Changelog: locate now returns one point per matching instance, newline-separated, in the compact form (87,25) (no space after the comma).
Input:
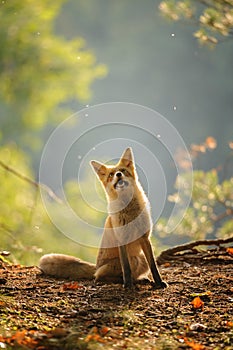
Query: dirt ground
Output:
(195,312)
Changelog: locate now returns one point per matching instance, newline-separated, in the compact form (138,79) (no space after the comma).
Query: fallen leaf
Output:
(167,264)
(94,336)
(197,327)
(202,294)
(23,338)
(229,323)
(104,330)
(230,250)
(193,345)
(71,286)
(197,303)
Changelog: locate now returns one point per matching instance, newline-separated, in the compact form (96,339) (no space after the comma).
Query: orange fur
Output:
(125,252)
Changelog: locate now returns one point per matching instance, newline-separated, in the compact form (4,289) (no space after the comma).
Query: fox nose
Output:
(118,174)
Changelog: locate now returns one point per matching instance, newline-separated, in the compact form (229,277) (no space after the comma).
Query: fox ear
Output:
(127,158)
(99,168)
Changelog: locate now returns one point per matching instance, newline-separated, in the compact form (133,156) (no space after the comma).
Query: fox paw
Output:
(161,285)
(128,284)
(144,281)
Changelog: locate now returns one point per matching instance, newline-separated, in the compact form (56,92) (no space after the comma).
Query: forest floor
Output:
(194,312)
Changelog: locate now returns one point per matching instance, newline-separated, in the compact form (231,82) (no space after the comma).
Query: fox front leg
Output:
(126,270)
(147,249)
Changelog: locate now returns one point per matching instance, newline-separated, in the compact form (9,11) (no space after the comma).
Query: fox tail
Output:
(65,266)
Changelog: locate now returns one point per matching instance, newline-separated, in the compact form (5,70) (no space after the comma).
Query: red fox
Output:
(125,253)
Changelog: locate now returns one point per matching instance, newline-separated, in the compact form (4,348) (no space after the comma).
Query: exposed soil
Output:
(40,313)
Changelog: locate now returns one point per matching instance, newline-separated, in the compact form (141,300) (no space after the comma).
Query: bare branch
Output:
(170,253)
(31,182)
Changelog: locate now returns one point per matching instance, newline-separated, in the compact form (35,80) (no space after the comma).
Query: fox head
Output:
(119,180)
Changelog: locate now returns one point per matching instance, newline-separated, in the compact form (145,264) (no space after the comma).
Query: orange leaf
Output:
(167,264)
(229,323)
(104,330)
(230,251)
(193,345)
(94,336)
(71,286)
(197,303)
(23,338)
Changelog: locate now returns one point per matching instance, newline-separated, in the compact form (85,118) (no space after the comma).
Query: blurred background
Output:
(174,57)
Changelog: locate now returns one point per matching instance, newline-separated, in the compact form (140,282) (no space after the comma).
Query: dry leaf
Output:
(193,345)
(104,330)
(197,303)
(94,336)
(197,327)
(167,264)
(23,338)
(202,294)
(71,286)
(229,323)
(230,250)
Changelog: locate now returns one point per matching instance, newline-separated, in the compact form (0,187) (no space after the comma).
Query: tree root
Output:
(193,252)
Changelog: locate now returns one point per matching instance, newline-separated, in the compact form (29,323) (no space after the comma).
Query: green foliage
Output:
(211,209)
(25,227)
(38,70)
(40,75)
(17,201)
(177,10)
(215,21)
(14,197)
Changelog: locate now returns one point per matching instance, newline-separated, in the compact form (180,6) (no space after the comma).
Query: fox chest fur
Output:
(130,220)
